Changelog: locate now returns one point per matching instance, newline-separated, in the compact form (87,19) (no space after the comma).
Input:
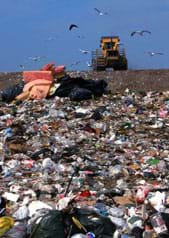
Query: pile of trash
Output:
(53,81)
(85,168)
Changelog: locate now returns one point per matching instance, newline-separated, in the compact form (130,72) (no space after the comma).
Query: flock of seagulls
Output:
(85,52)
(137,32)
(34,59)
(141,33)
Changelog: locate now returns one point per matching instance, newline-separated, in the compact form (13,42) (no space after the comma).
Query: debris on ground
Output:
(53,81)
(96,167)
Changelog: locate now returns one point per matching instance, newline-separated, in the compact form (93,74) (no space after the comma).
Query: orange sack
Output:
(29,76)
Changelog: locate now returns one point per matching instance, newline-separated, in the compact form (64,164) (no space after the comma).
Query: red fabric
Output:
(56,70)
(48,67)
(59,69)
(85,193)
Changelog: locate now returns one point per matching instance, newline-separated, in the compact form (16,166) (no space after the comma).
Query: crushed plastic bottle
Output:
(2,149)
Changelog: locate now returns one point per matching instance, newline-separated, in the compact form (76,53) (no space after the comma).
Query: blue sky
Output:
(27,25)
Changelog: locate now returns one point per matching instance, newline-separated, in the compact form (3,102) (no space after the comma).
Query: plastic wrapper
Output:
(17,231)
(6,223)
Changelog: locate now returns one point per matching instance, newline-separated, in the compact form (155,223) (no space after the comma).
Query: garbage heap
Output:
(51,81)
(88,168)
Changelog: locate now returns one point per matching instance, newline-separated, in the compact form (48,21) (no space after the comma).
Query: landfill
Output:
(83,167)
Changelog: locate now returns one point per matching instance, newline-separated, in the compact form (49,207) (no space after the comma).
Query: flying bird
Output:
(75,63)
(88,64)
(21,66)
(85,51)
(36,58)
(154,53)
(50,38)
(119,44)
(99,12)
(72,26)
(81,36)
(141,33)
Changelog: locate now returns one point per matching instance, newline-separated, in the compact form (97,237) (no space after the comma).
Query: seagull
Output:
(99,12)
(85,51)
(36,58)
(21,66)
(141,33)
(50,38)
(120,43)
(154,53)
(88,64)
(75,63)
(72,26)
(81,36)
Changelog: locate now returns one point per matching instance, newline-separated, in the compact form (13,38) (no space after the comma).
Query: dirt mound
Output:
(156,80)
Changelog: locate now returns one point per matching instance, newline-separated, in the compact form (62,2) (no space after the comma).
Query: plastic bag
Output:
(70,85)
(2,206)
(17,231)
(11,92)
(22,213)
(101,226)
(6,223)
(78,94)
(51,225)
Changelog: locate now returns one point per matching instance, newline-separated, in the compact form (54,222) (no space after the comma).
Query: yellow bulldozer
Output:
(111,55)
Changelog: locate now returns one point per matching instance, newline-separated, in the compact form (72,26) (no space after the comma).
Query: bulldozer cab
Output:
(110,46)
(110,55)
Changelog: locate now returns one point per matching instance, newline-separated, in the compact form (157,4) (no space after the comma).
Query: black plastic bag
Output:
(78,94)
(69,86)
(101,226)
(11,92)
(96,87)
(51,225)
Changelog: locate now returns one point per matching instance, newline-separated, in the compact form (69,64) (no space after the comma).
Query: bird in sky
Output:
(81,36)
(99,12)
(85,51)
(50,38)
(75,63)
(154,53)
(21,66)
(119,44)
(88,64)
(36,58)
(72,26)
(141,33)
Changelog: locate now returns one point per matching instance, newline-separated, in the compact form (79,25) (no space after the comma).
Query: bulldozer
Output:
(111,55)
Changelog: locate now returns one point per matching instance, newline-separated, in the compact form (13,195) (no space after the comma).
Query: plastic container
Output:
(158,224)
